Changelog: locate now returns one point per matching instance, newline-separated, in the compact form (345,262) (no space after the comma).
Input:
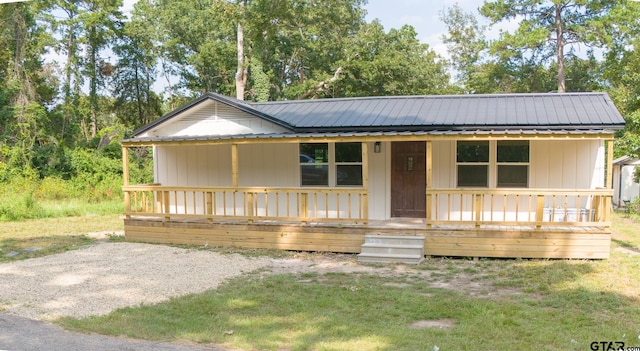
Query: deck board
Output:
(440,240)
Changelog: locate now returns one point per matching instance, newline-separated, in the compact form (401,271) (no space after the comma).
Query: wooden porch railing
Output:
(534,207)
(519,207)
(347,205)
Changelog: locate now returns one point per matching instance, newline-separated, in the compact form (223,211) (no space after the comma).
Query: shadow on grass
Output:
(626,245)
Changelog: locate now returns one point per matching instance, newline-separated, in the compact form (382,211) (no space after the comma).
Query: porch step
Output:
(392,248)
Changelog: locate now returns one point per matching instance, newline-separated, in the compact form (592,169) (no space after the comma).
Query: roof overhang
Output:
(513,134)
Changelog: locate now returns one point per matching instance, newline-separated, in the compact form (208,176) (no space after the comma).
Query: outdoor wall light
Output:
(377,147)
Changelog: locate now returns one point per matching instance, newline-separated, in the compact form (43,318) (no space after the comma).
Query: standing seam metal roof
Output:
(411,113)
(468,111)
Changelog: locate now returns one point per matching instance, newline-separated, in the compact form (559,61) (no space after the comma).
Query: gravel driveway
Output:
(106,276)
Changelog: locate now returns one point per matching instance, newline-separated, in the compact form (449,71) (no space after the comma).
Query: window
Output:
(513,164)
(314,164)
(348,163)
(473,163)
(502,164)
(343,161)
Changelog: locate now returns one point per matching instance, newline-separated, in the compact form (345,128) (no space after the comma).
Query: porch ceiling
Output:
(532,134)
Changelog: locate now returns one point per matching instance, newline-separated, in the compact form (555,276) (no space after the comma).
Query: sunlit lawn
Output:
(521,304)
(41,237)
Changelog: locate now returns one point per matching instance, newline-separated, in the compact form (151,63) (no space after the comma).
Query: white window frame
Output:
(332,166)
(492,166)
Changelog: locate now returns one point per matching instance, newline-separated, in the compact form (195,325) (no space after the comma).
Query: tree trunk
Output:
(560,49)
(241,73)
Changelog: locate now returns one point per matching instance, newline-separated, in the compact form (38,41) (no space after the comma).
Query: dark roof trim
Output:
(229,101)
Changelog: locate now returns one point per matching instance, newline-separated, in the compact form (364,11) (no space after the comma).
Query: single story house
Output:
(625,189)
(505,175)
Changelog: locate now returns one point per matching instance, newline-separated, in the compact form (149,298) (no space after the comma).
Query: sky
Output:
(423,15)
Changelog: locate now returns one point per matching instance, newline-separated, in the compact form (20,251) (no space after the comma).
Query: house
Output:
(625,189)
(509,175)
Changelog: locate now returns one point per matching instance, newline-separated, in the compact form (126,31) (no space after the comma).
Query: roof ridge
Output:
(400,97)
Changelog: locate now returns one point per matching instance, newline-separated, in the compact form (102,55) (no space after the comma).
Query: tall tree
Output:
(466,45)
(547,28)
(101,20)
(23,91)
(136,103)
(393,63)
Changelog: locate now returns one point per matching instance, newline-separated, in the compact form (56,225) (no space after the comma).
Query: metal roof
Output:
(549,110)
(420,113)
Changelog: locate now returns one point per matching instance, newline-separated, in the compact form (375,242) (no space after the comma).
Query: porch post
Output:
(234,165)
(365,182)
(609,181)
(609,178)
(125,179)
(429,180)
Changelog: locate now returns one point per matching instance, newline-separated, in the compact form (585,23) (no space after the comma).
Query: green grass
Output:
(521,304)
(61,226)
(71,220)
(20,249)
(22,207)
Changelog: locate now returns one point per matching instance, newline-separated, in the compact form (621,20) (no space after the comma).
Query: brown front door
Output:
(408,179)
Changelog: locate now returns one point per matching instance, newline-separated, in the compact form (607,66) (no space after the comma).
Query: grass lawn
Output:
(40,237)
(475,305)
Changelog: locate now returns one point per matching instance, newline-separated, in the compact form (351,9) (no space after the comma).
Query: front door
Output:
(408,179)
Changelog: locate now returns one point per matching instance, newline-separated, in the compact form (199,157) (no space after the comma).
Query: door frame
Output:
(422,209)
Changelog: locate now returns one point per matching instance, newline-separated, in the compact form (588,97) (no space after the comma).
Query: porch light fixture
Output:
(377,147)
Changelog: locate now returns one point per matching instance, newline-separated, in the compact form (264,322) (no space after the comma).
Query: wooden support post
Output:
(606,216)
(209,206)
(304,208)
(429,182)
(125,180)
(609,177)
(234,165)
(539,211)
(365,183)
(166,204)
(478,208)
(250,205)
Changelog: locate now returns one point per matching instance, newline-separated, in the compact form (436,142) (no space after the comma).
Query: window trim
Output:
(332,166)
(492,166)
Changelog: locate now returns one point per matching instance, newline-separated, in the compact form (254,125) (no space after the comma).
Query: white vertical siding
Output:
(444,164)
(213,118)
(379,182)
(270,165)
(193,165)
(567,164)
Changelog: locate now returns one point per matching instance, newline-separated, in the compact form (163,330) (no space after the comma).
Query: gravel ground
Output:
(106,276)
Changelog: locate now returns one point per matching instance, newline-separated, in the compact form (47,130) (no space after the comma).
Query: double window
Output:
(324,164)
(504,163)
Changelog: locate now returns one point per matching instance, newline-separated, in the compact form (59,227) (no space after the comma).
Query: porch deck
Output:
(484,240)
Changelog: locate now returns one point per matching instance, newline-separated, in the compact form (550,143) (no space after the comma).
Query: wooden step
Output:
(392,248)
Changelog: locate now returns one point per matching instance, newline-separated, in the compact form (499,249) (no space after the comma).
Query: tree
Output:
(547,28)
(393,63)
(101,20)
(134,75)
(23,83)
(466,45)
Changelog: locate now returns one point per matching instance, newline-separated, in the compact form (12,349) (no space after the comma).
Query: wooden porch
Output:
(525,223)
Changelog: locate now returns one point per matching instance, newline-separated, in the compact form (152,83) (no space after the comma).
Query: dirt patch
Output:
(433,323)
(436,273)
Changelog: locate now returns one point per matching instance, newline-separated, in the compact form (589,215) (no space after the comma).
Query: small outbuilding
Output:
(625,188)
